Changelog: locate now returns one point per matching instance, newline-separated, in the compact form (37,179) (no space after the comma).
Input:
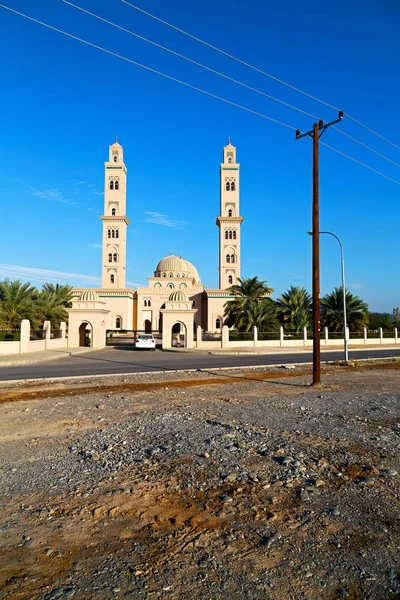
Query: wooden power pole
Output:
(316,132)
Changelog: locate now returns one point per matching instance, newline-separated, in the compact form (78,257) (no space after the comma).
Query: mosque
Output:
(175,302)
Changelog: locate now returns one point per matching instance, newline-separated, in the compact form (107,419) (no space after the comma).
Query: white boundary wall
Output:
(288,343)
(25,344)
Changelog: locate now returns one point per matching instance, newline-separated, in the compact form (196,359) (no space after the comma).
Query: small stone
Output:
(231,477)
(203,564)
(28,543)
(271,539)
(388,472)
(303,495)
(365,481)
(335,512)
(319,482)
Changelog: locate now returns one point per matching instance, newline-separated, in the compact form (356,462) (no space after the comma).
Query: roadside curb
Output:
(283,366)
(55,355)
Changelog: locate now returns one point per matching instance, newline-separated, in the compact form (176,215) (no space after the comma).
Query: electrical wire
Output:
(250,66)
(184,84)
(359,163)
(140,37)
(219,74)
(137,64)
(365,146)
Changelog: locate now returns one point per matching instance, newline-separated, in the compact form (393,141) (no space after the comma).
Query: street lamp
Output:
(346,354)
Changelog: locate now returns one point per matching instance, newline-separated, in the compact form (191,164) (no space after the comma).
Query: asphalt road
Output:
(113,361)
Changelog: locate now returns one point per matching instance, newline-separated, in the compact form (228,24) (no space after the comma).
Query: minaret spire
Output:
(229,221)
(115,221)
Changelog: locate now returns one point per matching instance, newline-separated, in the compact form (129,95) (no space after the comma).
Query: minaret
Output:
(229,220)
(115,221)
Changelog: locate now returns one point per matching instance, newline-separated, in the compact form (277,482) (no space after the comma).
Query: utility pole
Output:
(317,131)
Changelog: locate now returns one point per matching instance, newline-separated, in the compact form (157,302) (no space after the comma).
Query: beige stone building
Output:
(174,302)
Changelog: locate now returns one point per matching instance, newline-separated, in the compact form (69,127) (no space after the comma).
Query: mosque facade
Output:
(174,301)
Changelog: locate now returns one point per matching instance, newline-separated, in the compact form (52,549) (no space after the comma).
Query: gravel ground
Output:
(226,485)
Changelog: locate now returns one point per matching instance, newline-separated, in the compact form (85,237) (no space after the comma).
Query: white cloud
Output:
(97,245)
(355,286)
(160,219)
(47,194)
(40,276)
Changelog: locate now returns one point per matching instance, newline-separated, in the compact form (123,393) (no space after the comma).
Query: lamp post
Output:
(346,354)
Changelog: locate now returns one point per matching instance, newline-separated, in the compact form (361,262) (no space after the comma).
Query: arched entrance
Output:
(147,326)
(178,335)
(85,334)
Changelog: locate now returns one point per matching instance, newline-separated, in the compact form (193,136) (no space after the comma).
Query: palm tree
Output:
(16,302)
(63,292)
(51,303)
(251,295)
(294,308)
(332,311)
(261,315)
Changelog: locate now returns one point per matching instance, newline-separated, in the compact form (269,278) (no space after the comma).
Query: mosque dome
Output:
(178,296)
(89,296)
(174,266)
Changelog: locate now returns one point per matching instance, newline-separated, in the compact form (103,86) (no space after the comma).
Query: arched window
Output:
(118,320)
(226,234)
(157,285)
(149,302)
(116,233)
(110,258)
(115,158)
(170,286)
(230,213)
(115,258)
(112,278)
(113,212)
(232,258)
(177,275)
(109,233)
(230,279)
(230,160)
(183,286)
(233,186)
(228,258)
(171,275)
(111,185)
(164,274)
(227,186)
(234,234)
(230,235)
(117,184)
(217,323)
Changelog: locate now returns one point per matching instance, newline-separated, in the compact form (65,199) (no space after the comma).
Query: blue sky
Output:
(63,103)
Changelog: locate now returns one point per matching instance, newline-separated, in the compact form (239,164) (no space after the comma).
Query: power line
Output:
(359,163)
(140,37)
(250,66)
(183,83)
(365,146)
(133,62)
(218,73)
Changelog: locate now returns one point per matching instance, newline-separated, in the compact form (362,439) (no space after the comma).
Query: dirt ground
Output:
(241,484)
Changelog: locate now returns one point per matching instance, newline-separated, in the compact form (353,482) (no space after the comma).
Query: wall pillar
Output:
(380,335)
(225,336)
(47,330)
(326,335)
(280,336)
(365,335)
(255,336)
(199,336)
(304,336)
(25,335)
(395,334)
(63,329)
